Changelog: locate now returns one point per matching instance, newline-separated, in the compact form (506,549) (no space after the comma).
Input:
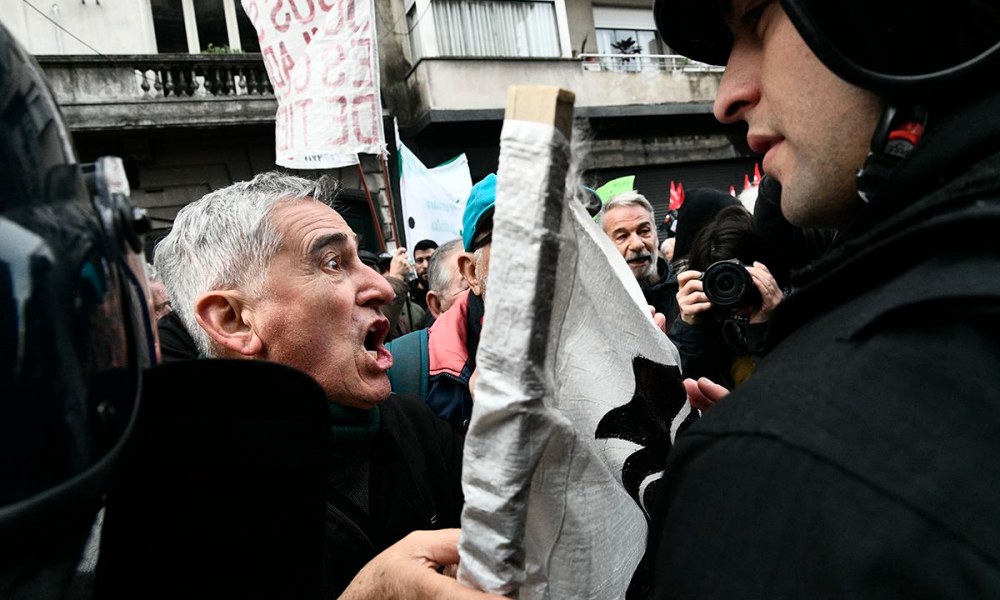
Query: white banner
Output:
(578,399)
(322,60)
(433,199)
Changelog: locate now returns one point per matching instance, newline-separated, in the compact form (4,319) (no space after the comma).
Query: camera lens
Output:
(725,284)
(729,286)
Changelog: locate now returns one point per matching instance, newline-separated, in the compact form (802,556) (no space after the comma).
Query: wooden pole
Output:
(539,104)
(392,209)
(371,207)
(514,420)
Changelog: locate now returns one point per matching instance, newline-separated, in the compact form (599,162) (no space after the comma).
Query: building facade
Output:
(179,87)
(644,111)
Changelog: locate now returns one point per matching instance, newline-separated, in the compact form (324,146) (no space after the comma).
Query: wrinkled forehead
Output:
(306,225)
(627,215)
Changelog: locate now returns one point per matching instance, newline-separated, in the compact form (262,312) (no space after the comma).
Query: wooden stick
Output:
(510,425)
(371,207)
(392,205)
(540,104)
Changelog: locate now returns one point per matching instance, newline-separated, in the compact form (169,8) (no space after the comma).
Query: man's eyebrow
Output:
(330,239)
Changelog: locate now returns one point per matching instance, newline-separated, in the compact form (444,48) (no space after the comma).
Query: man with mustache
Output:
(628,220)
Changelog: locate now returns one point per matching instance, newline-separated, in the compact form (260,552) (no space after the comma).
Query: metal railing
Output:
(635,63)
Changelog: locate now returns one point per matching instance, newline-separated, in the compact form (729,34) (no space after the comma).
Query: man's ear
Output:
(222,314)
(467,267)
(434,303)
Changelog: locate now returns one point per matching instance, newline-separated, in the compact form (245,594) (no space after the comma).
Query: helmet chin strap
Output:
(898,132)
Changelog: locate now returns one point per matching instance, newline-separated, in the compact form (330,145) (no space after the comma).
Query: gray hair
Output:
(226,240)
(627,199)
(439,276)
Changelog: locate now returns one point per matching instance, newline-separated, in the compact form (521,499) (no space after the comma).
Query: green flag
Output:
(614,187)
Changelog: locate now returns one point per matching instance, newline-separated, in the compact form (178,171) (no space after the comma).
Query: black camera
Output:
(729,286)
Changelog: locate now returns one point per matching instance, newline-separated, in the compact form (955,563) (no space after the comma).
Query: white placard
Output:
(322,60)
(433,200)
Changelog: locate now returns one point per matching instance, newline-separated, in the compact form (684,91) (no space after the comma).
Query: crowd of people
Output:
(836,336)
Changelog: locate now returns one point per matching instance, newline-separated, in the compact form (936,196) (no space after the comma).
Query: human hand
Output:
(770,294)
(691,299)
(704,393)
(400,264)
(658,318)
(408,570)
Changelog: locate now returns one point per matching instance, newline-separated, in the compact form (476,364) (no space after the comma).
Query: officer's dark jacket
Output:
(861,458)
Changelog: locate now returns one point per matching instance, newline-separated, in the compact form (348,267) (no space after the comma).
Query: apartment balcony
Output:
(160,91)
(458,88)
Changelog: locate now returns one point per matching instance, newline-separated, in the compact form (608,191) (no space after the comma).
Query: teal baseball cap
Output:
(481,202)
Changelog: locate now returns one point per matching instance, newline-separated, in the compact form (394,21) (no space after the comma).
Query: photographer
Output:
(723,340)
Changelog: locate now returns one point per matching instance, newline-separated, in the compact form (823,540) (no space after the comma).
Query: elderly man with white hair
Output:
(267,270)
(628,220)
(444,279)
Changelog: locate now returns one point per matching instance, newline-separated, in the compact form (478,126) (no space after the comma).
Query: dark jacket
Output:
(175,341)
(860,460)
(785,247)
(414,476)
(663,294)
(724,350)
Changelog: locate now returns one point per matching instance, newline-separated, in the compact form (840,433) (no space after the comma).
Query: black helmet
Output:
(74,328)
(892,47)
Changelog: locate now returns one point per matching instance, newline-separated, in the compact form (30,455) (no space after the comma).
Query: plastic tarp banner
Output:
(433,200)
(322,59)
(578,399)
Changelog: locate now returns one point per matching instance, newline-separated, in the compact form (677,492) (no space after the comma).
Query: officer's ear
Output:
(229,322)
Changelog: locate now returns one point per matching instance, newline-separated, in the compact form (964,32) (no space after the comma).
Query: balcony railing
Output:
(634,63)
(178,76)
(163,75)
(160,90)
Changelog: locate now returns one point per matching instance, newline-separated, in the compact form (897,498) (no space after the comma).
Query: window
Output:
(629,41)
(501,28)
(248,35)
(627,32)
(211,20)
(412,22)
(199,25)
(168,26)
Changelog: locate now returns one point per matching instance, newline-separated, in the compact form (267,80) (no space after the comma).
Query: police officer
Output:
(861,458)
(74,336)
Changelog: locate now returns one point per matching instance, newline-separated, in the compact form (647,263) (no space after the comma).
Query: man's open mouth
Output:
(376,336)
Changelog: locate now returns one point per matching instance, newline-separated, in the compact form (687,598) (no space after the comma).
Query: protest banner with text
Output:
(322,59)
